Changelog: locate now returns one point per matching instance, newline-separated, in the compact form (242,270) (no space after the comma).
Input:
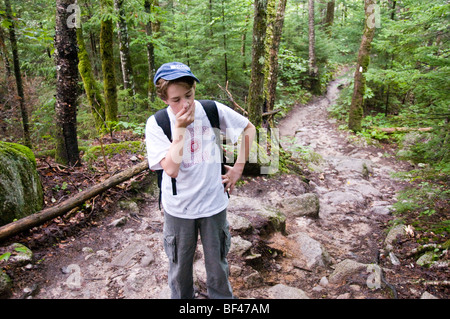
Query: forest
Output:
(76,78)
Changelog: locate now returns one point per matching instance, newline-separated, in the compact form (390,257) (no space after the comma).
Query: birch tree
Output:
(124,47)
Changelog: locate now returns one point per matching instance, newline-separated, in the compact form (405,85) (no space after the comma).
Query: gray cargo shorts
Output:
(180,243)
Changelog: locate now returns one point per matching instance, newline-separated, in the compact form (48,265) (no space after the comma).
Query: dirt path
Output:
(277,251)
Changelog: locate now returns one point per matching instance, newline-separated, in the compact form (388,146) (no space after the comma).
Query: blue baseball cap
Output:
(173,70)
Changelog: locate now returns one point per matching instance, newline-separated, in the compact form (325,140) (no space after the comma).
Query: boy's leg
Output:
(180,242)
(216,241)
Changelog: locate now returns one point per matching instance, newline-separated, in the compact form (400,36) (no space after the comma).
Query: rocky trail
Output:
(326,238)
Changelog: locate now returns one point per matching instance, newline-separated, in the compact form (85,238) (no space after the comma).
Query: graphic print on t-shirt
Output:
(200,146)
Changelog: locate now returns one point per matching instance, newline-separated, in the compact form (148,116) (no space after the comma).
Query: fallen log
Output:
(390,130)
(39,218)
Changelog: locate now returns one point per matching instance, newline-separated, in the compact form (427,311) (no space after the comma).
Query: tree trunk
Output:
(73,202)
(91,86)
(225,48)
(271,15)
(273,57)
(256,91)
(107,57)
(356,107)
(18,75)
(313,69)
(394,4)
(148,5)
(243,42)
(66,59)
(329,18)
(4,54)
(124,48)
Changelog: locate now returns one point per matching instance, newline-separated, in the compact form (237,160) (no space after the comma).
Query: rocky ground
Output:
(323,236)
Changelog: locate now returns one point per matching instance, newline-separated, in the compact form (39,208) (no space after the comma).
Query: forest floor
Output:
(113,247)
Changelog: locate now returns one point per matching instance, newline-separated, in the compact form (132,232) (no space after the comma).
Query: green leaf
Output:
(5,256)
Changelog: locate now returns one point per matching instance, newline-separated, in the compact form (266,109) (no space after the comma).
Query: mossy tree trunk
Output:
(107,57)
(18,74)
(356,107)
(66,58)
(329,17)
(271,15)
(313,69)
(273,56)
(92,88)
(256,91)
(124,47)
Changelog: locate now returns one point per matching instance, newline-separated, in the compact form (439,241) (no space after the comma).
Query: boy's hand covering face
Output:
(181,100)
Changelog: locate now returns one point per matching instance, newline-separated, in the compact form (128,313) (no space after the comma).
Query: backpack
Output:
(162,119)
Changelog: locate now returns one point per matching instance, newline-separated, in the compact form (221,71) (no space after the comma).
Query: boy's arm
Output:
(171,163)
(234,173)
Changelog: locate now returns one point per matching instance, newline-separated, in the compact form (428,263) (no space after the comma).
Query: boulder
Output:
(344,269)
(21,255)
(312,253)
(391,238)
(281,291)
(304,205)
(239,246)
(265,219)
(21,191)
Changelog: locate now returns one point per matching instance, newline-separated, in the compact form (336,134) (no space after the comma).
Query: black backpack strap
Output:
(162,119)
(212,113)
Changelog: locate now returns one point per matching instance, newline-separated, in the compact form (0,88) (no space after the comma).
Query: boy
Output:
(193,159)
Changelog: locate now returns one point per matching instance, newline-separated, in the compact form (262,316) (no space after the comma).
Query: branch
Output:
(271,113)
(230,97)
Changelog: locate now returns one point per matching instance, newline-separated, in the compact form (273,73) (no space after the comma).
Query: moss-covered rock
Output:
(21,191)
(110,150)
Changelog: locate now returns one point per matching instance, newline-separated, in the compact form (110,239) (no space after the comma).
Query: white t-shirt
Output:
(200,192)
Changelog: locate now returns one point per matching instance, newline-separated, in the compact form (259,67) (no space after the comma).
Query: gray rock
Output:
(398,230)
(345,268)
(130,207)
(381,210)
(426,259)
(394,259)
(21,192)
(124,258)
(281,291)
(239,246)
(303,205)
(343,197)
(21,255)
(427,295)
(262,217)
(363,187)
(253,280)
(313,254)
(238,222)
(351,164)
